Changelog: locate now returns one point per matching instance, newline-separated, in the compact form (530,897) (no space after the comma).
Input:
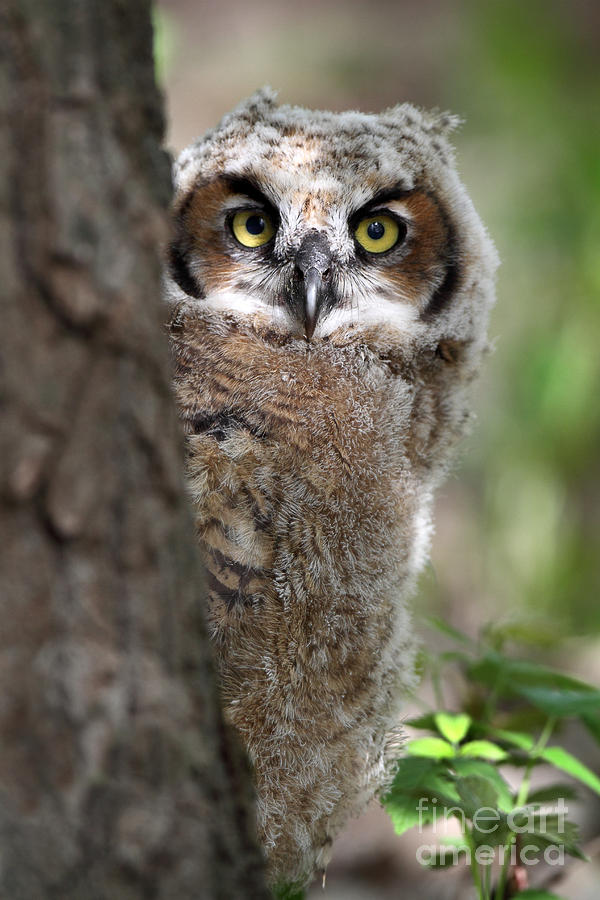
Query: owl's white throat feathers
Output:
(374,310)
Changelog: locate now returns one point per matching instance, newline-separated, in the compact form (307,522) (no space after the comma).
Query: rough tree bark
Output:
(118,778)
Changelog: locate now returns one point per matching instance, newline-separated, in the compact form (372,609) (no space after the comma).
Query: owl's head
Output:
(314,222)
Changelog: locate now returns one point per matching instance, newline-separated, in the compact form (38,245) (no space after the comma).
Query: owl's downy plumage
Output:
(330,283)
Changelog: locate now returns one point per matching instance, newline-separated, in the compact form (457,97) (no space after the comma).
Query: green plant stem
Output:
(487,882)
(474,867)
(436,683)
(537,749)
(489,707)
(500,888)
(522,799)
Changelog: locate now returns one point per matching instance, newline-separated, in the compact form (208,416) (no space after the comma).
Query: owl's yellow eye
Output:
(377,233)
(252,227)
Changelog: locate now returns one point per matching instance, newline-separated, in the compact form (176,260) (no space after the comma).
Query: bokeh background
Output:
(518,524)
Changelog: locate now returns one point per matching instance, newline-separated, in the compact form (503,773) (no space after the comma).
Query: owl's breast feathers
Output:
(298,461)
(309,467)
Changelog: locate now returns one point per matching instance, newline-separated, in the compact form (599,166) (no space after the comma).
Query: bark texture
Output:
(118,778)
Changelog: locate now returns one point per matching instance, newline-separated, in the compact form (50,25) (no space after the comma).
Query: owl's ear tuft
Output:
(255,106)
(442,123)
(434,121)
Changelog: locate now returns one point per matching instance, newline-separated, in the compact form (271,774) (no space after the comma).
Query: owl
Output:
(329,284)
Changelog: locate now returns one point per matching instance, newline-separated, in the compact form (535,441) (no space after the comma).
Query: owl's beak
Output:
(313,262)
(313,289)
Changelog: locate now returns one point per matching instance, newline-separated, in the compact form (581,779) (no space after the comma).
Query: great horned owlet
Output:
(330,284)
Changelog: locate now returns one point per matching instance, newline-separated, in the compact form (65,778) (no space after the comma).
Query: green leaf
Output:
(418,779)
(485,770)
(476,792)
(418,776)
(541,830)
(449,630)
(405,814)
(552,792)
(564,760)
(410,772)
(592,723)
(483,750)
(560,700)
(516,738)
(425,721)
(556,694)
(453,726)
(440,787)
(431,747)
(480,800)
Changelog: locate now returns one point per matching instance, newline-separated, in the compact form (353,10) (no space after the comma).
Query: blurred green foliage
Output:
(164,41)
(528,86)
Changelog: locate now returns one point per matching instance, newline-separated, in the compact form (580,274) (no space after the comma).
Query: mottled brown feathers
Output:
(313,454)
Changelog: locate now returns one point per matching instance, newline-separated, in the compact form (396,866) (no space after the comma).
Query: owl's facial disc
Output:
(314,258)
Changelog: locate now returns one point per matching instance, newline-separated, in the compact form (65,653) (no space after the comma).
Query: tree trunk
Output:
(118,778)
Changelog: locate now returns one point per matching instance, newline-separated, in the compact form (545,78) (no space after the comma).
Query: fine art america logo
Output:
(490,828)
